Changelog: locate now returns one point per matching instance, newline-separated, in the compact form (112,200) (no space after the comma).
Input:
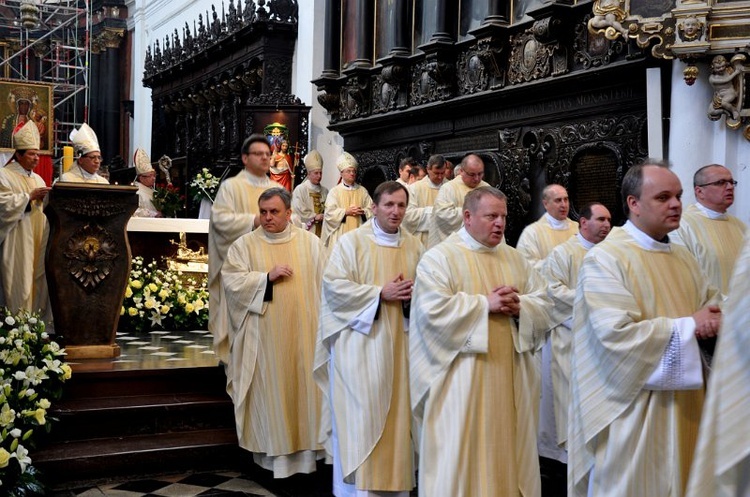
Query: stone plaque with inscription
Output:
(595,178)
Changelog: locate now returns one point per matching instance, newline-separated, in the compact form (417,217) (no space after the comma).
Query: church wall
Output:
(696,141)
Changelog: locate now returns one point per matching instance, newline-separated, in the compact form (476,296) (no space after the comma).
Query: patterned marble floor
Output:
(184,485)
(157,350)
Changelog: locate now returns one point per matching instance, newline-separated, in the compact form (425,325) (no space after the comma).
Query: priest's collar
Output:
(433,185)
(87,175)
(711,214)
(585,243)
(17,167)
(472,242)
(254,179)
(556,224)
(385,239)
(282,236)
(645,241)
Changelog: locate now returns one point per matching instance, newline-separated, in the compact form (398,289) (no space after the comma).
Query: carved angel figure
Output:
(726,84)
(608,17)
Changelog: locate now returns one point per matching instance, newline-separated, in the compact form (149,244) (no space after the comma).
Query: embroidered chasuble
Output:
(422,195)
(335,220)
(716,243)
(23,242)
(368,387)
(722,466)
(232,215)
(475,389)
(276,401)
(308,201)
(539,238)
(76,174)
(447,211)
(561,269)
(627,438)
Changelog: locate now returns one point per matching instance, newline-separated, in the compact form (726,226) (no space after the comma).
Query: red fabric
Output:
(44,168)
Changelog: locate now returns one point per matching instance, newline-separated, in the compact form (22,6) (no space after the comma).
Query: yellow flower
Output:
(132,311)
(199,305)
(44,404)
(38,415)
(164,309)
(136,284)
(4,458)
(7,415)
(153,287)
(189,307)
(163,294)
(128,292)
(67,372)
(122,311)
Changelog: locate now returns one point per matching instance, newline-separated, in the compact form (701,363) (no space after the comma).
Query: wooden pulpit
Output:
(88,264)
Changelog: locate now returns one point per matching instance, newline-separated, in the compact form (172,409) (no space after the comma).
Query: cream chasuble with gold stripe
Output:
(335,220)
(23,242)
(539,238)
(475,389)
(722,457)
(370,378)
(276,401)
(422,195)
(447,211)
(232,215)
(624,438)
(561,268)
(716,243)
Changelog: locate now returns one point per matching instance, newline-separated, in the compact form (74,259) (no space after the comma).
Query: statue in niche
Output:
(177,46)
(202,34)
(608,18)
(215,24)
(727,88)
(232,18)
(248,14)
(188,41)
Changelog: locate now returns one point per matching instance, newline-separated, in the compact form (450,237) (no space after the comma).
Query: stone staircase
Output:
(120,423)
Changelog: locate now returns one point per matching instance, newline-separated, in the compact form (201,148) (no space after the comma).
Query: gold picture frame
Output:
(22,100)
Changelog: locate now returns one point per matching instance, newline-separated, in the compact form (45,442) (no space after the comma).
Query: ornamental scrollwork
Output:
(91,251)
(529,58)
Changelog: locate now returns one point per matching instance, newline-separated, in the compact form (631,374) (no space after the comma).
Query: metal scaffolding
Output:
(54,46)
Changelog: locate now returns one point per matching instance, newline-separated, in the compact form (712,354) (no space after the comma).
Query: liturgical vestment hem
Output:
(276,401)
(636,441)
(476,405)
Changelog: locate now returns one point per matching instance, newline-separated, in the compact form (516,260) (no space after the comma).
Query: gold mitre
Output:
(346,160)
(142,162)
(27,138)
(84,140)
(313,161)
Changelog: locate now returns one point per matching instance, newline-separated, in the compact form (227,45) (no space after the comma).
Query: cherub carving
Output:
(727,88)
(608,18)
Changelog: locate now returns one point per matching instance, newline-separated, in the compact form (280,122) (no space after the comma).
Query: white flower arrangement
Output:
(163,299)
(204,185)
(32,373)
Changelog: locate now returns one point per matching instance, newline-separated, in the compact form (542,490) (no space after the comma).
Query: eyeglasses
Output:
(721,182)
(94,157)
(260,154)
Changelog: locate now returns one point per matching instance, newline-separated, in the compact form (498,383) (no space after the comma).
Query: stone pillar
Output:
(443,30)
(400,31)
(365,27)
(332,55)
(497,13)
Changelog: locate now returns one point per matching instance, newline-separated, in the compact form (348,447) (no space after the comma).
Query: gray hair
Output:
(276,191)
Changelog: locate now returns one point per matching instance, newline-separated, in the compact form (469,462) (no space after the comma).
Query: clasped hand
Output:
(505,300)
(397,289)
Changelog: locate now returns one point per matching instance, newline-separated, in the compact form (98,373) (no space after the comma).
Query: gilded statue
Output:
(608,18)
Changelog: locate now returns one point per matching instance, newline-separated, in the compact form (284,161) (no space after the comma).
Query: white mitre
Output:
(345,161)
(142,162)
(27,138)
(84,140)
(313,161)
